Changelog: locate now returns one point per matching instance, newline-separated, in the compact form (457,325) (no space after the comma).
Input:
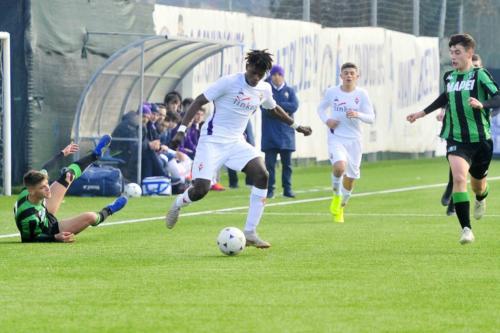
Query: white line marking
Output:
(351,214)
(284,203)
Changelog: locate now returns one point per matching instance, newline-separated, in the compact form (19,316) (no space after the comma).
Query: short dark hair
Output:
(261,59)
(348,65)
(465,40)
(33,178)
(171,96)
(187,101)
(476,57)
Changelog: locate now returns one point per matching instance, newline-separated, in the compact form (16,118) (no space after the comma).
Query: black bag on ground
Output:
(98,180)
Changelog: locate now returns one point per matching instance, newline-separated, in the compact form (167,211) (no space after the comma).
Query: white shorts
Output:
(211,156)
(347,150)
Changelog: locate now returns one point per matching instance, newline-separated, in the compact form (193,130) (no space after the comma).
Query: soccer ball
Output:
(132,190)
(231,241)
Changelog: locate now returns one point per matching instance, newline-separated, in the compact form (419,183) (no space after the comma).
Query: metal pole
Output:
(416,17)
(442,19)
(7,151)
(306,10)
(141,96)
(461,17)
(374,12)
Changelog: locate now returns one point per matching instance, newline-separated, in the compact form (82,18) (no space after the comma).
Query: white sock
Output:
(183,200)
(256,208)
(336,181)
(346,194)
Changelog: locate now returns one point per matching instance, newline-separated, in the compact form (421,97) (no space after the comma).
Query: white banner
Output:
(399,71)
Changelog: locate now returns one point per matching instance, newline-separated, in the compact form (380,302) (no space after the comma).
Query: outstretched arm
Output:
(438,103)
(279,113)
(68,150)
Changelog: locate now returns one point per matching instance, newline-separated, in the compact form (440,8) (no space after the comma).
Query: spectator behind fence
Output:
(128,128)
(278,137)
(186,103)
(173,101)
(151,146)
(172,120)
(188,147)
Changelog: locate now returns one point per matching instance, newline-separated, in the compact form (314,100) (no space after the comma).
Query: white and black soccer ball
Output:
(231,241)
(132,190)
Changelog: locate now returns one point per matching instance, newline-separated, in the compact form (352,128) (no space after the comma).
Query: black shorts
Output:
(478,155)
(53,224)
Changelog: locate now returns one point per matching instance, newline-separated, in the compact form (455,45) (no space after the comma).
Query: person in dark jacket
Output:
(277,137)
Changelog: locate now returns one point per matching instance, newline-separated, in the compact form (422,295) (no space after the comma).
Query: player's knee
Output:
(261,178)
(90,218)
(459,179)
(478,188)
(198,190)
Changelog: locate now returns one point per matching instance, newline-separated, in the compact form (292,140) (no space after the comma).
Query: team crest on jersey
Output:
(286,94)
(261,96)
(470,76)
(200,166)
(356,100)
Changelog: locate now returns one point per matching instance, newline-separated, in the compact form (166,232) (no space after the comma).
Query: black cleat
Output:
(446,197)
(450,210)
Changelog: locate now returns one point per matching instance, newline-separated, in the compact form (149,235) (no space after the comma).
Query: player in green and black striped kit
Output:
(470,93)
(38,203)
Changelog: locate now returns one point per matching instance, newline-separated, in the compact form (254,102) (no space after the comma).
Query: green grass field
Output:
(395,265)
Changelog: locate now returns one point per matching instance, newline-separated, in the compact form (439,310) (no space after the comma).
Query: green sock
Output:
(76,169)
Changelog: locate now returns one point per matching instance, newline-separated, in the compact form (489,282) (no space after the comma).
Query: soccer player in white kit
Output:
(236,97)
(342,109)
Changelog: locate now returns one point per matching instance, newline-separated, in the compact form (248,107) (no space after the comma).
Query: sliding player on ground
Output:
(38,202)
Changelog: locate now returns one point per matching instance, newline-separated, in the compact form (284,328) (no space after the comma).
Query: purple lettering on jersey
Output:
(210,128)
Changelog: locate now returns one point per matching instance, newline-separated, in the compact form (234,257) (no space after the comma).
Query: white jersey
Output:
(234,102)
(335,105)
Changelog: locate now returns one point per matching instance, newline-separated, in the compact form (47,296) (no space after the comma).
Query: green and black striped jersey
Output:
(32,220)
(462,123)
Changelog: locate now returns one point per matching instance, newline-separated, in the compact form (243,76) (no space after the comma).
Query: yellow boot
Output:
(335,204)
(339,218)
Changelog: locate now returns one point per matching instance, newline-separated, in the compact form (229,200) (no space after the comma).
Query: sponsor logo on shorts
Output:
(452,149)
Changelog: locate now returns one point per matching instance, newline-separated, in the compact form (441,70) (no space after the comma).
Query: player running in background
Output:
(236,97)
(466,128)
(38,202)
(446,199)
(343,109)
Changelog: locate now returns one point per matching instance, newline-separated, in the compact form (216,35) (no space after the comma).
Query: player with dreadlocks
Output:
(236,97)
